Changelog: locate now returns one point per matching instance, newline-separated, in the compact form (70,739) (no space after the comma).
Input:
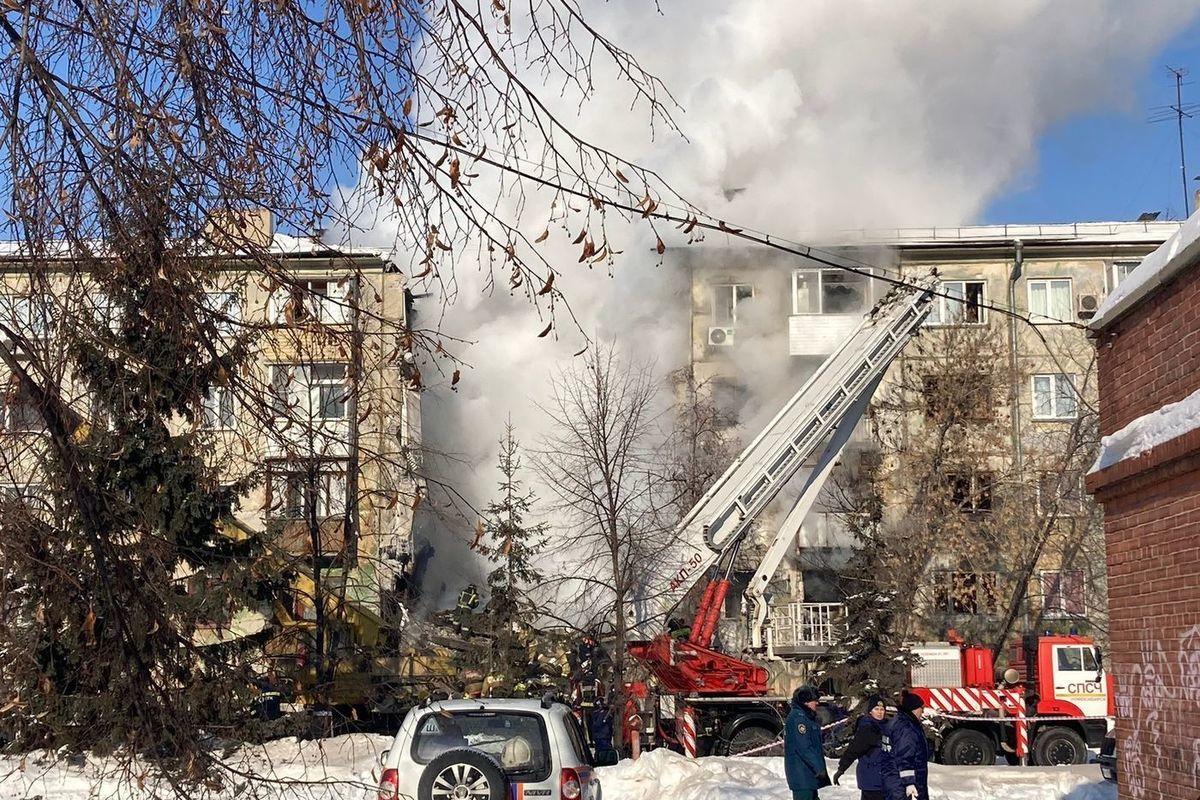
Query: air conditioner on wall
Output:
(720,337)
(1088,303)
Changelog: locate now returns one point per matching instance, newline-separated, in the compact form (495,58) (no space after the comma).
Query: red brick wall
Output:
(1152,531)
(1151,356)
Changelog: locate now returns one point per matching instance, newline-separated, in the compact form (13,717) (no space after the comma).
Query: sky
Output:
(1113,164)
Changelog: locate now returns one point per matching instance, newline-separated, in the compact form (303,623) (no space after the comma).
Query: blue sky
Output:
(1114,165)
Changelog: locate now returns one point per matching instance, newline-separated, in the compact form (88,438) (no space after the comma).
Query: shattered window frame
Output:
(724,299)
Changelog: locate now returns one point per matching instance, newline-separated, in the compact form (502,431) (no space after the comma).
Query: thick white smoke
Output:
(827,115)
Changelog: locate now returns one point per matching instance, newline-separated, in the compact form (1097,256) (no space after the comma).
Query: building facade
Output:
(1147,476)
(1008,399)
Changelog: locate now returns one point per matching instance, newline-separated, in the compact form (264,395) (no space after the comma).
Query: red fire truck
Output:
(1051,705)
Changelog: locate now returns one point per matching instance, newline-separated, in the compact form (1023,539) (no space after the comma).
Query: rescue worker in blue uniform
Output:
(867,748)
(906,752)
(803,759)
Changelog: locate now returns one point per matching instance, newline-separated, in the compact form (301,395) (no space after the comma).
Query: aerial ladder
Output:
(816,423)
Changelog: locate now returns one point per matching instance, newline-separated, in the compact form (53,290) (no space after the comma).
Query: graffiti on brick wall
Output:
(1164,682)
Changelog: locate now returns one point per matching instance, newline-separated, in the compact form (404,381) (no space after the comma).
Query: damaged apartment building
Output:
(971,459)
(324,417)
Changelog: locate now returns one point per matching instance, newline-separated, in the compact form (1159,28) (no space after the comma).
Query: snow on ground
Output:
(346,768)
(662,773)
(1148,431)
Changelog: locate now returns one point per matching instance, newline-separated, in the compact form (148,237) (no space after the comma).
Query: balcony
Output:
(806,628)
(819,334)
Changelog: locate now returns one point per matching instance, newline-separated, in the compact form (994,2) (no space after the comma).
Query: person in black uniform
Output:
(867,748)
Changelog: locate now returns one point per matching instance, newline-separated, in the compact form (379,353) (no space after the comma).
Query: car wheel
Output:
(968,748)
(751,737)
(462,775)
(1056,747)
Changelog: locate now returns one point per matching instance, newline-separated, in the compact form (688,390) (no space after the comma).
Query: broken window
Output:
(966,592)
(830,291)
(725,301)
(1062,593)
(1050,299)
(293,489)
(959,303)
(19,413)
(1061,493)
(320,300)
(1054,397)
(971,492)
(218,409)
(963,394)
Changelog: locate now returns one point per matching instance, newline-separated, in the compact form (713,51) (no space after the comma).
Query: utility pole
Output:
(1179,115)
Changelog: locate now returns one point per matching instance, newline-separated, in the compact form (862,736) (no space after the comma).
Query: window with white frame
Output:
(1061,493)
(30,496)
(959,303)
(1063,593)
(830,291)
(225,309)
(1120,271)
(1054,397)
(23,314)
(294,489)
(219,411)
(324,300)
(309,391)
(19,413)
(726,297)
(1050,299)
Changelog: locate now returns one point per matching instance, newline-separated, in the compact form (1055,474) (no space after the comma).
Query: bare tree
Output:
(599,460)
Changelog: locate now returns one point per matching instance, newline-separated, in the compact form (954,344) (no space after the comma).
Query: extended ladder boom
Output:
(833,399)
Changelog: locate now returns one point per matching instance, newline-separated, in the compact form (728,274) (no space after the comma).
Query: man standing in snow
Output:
(906,752)
(803,760)
(866,748)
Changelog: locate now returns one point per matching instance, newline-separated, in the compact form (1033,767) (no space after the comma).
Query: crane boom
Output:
(828,405)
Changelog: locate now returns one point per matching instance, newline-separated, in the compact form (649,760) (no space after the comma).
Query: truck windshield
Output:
(515,740)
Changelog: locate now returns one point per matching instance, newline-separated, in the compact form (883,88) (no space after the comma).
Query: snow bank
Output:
(662,773)
(1173,255)
(1148,431)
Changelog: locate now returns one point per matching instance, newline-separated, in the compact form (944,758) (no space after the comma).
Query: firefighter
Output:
(906,752)
(468,601)
(803,759)
(866,748)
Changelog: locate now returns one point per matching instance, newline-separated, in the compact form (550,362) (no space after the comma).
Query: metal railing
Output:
(806,624)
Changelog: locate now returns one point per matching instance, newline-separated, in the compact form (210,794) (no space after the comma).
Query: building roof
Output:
(1173,256)
(957,236)
(282,244)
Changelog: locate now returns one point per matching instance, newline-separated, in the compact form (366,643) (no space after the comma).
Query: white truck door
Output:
(1079,679)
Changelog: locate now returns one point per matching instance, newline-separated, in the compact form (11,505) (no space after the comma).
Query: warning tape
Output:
(779,741)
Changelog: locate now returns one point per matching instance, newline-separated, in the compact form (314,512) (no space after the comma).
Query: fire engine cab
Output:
(1049,707)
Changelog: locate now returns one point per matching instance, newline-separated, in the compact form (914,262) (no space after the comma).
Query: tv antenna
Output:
(1178,111)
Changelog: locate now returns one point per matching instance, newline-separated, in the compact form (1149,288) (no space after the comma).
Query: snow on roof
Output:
(1172,256)
(281,244)
(1149,431)
(1150,232)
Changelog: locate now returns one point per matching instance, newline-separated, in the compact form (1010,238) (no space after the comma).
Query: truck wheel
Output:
(1056,747)
(968,747)
(749,737)
(462,775)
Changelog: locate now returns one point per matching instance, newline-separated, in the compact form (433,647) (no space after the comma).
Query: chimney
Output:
(241,228)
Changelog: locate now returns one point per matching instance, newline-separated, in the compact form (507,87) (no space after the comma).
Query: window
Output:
(1054,397)
(517,741)
(1050,299)
(971,492)
(218,409)
(323,301)
(24,315)
(293,490)
(966,592)
(1062,593)
(19,414)
(965,395)
(1077,659)
(225,308)
(829,291)
(960,303)
(1061,493)
(725,301)
(29,497)
(1120,271)
(309,391)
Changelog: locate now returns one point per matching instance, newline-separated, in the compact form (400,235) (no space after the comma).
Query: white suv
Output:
(489,749)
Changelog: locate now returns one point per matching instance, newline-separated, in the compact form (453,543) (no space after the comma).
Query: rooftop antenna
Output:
(1178,111)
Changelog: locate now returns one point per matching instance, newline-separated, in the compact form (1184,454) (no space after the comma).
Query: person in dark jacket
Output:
(906,752)
(867,748)
(803,760)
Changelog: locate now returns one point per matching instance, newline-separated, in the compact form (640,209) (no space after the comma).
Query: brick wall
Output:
(1152,532)
(1151,356)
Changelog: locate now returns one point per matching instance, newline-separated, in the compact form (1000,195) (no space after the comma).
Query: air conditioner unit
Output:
(720,337)
(1088,303)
